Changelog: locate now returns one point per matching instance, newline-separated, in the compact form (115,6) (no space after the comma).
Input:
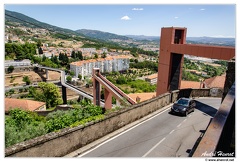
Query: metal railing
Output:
(218,137)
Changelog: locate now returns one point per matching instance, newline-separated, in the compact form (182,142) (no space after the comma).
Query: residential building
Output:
(140,97)
(215,82)
(30,105)
(25,62)
(88,50)
(103,50)
(152,79)
(126,52)
(108,64)
(190,84)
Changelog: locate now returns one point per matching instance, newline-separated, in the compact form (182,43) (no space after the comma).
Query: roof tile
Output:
(30,105)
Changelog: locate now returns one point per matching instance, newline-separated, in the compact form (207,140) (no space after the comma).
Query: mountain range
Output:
(27,21)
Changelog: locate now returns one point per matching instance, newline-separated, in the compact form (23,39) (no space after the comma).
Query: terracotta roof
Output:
(31,105)
(79,63)
(189,84)
(184,83)
(153,76)
(215,82)
(142,96)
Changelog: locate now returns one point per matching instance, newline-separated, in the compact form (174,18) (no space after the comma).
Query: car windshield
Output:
(182,102)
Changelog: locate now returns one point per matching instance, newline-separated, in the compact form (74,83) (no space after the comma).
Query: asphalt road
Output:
(163,135)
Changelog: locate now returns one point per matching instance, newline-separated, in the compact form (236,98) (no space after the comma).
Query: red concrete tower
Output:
(172,49)
(169,66)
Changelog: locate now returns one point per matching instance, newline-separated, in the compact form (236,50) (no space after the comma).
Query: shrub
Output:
(10,69)
(22,125)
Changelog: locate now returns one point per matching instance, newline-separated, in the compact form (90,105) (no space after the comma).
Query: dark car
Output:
(183,106)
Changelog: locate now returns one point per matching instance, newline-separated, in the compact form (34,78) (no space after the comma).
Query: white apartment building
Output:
(88,50)
(25,62)
(109,64)
(152,79)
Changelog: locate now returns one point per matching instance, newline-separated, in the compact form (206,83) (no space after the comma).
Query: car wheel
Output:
(186,113)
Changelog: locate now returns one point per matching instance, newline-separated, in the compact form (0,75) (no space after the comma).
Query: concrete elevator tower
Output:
(170,64)
(171,56)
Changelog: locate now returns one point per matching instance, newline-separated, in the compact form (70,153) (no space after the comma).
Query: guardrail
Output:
(130,100)
(218,137)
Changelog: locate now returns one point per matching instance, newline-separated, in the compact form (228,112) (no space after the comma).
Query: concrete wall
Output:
(230,77)
(20,69)
(59,107)
(60,143)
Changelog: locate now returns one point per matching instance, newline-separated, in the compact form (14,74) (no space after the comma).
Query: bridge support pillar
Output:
(108,99)
(96,89)
(118,103)
(46,74)
(64,95)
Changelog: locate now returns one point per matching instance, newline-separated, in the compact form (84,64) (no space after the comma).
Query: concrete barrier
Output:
(57,144)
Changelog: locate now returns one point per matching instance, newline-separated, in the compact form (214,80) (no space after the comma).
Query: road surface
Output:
(163,135)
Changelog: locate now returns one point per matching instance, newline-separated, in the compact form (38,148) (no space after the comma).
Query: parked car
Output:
(183,106)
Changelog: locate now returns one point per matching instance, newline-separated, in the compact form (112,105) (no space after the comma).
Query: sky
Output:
(214,20)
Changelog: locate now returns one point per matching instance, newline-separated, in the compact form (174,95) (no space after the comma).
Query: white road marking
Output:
(162,140)
(172,131)
(179,125)
(153,147)
(122,133)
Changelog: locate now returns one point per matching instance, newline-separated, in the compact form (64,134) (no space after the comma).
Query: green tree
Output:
(10,69)
(71,73)
(60,57)
(79,76)
(121,80)
(95,55)
(73,54)
(79,55)
(11,91)
(104,55)
(20,51)
(26,80)
(54,59)
(65,59)
(44,58)
(22,125)
(48,93)
(37,59)
(39,44)
(69,79)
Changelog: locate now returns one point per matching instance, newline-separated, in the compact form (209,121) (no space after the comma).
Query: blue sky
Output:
(145,19)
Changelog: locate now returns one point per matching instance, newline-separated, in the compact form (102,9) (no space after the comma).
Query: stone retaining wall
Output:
(67,140)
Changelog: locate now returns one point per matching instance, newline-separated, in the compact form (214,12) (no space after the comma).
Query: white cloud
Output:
(125,18)
(175,17)
(202,9)
(137,9)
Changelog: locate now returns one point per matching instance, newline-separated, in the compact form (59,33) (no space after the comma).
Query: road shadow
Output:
(206,109)
(191,151)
